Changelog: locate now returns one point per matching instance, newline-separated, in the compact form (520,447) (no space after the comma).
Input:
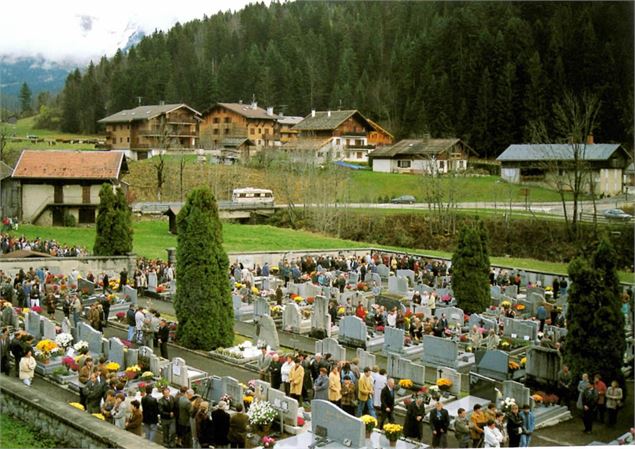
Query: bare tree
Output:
(574,120)
(4,140)
(165,142)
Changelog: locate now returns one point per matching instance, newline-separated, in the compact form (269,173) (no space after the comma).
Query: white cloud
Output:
(79,30)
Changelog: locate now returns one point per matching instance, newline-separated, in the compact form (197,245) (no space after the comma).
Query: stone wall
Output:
(96,264)
(62,422)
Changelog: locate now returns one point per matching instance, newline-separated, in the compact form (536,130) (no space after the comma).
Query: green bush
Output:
(69,220)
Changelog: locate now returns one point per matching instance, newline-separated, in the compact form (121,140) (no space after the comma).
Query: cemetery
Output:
(459,362)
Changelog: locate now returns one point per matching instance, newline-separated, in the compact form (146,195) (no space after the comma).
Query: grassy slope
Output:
(152,238)
(17,434)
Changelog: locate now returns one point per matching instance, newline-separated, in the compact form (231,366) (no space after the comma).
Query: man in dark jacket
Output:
(387,403)
(131,322)
(589,404)
(183,428)
(238,427)
(163,335)
(17,349)
(105,304)
(166,410)
(220,425)
(274,372)
(150,408)
(439,421)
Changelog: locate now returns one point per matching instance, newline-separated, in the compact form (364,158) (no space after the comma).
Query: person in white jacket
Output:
(285,370)
(493,436)
(27,368)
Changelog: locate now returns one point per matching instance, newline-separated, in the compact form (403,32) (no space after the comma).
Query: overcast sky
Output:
(81,29)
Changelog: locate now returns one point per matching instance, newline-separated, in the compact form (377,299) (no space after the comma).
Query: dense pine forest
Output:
(480,71)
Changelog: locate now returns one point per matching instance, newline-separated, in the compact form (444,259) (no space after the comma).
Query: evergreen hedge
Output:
(470,270)
(114,223)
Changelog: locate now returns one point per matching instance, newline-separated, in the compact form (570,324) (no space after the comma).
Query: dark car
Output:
(403,199)
(616,214)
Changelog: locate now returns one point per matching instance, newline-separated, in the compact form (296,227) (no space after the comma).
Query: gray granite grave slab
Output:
(407,274)
(495,291)
(132,357)
(177,372)
(383,271)
(339,425)
(365,358)
(232,387)
(48,328)
(287,405)
(517,391)
(439,351)
(352,331)
(494,364)
(152,281)
(454,376)
(154,363)
(261,307)
(130,293)
(393,340)
(481,321)
(454,315)
(402,368)
(85,286)
(543,364)
(116,351)
(261,391)
(266,331)
(511,291)
(33,324)
(291,318)
(331,346)
(320,318)
(91,336)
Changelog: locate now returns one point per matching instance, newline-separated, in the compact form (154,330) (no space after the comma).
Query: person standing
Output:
(275,372)
(439,422)
(478,422)
(166,411)
(589,402)
(135,419)
(529,425)
(492,436)
(387,411)
(27,368)
(348,396)
(4,352)
(76,308)
(565,380)
(184,407)
(296,379)
(335,386)
(123,279)
(321,385)
(613,402)
(380,379)
(163,335)
(582,387)
(285,372)
(365,394)
(150,408)
(238,426)
(514,426)
(264,361)
(462,429)
(220,425)
(415,412)
(600,390)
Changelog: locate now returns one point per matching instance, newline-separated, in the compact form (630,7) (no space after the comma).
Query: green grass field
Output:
(18,434)
(151,238)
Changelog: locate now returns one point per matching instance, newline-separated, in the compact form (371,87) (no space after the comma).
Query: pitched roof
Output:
(328,120)
(70,164)
(305,144)
(289,120)
(247,110)
(378,128)
(416,147)
(144,113)
(236,142)
(558,152)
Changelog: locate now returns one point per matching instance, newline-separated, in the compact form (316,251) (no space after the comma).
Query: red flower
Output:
(310,300)
(379,328)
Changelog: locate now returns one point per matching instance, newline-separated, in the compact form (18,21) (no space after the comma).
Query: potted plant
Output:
(406,384)
(112,367)
(64,340)
(369,423)
(393,432)
(81,347)
(262,414)
(45,349)
(132,372)
(444,384)
(268,442)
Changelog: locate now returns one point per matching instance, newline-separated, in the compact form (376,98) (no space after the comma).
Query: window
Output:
(216,120)
(86,194)
(337,141)
(441,165)
(266,131)
(403,164)
(121,140)
(127,139)
(259,130)
(226,130)
(228,119)
(215,131)
(252,131)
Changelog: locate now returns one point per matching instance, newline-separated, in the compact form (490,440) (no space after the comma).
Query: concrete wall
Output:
(96,264)
(36,196)
(62,422)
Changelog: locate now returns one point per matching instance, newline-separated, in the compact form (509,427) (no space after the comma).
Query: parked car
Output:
(403,199)
(616,214)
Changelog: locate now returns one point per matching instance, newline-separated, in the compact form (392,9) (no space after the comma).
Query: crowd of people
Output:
(10,243)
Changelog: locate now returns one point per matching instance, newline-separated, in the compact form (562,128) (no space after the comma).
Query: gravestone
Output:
(172,287)
(339,426)
(353,278)
(352,331)
(439,351)
(261,391)
(365,358)
(177,372)
(261,307)
(543,364)
(422,288)
(454,315)
(483,387)
(511,291)
(266,331)
(48,328)
(392,285)
(85,287)
(481,321)
(33,325)
(393,340)
(494,364)
(373,279)
(389,303)
(402,368)
(91,336)
(402,285)
(116,351)
(132,357)
(291,318)
(320,318)
(152,281)
(517,391)
(495,291)
(233,388)
(427,311)
(331,346)
(288,406)
(383,271)
(520,328)
(409,274)
(237,302)
(146,354)
(454,376)
(130,293)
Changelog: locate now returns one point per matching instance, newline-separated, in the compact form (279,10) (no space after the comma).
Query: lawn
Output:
(151,238)
(500,212)
(18,434)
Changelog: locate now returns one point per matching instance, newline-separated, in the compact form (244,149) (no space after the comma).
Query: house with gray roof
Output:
(423,155)
(146,130)
(603,165)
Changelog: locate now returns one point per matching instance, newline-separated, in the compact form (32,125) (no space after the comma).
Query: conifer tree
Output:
(114,223)
(595,341)
(470,270)
(203,300)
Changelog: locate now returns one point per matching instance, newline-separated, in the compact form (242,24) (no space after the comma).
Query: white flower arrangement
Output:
(81,346)
(434,388)
(261,413)
(507,404)
(64,339)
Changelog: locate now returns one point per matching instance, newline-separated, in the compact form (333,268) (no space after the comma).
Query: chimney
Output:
(328,114)
(270,110)
(162,102)
(312,112)
(254,105)
(589,139)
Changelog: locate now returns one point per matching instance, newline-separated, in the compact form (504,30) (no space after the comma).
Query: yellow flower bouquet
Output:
(536,397)
(248,399)
(406,383)
(523,362)
(444,383)
(514,366)
(369,422)
(46,346)
(77,405)
(393,431)
(506,304)
(113,367)
(99,416)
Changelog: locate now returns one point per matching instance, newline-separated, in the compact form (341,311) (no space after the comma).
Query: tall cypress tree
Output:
(203,299)
(470,270)
(595,341)
(114,223)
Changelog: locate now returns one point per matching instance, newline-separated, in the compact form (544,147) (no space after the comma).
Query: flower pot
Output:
(266,429)
(368,433)
(393,443)
(45,361)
